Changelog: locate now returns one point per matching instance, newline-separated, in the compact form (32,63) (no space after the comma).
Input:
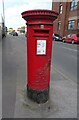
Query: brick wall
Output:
(66,15)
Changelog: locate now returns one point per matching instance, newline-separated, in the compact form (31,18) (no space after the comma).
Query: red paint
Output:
(38,66)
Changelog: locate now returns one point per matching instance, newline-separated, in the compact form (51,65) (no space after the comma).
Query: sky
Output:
(14,8)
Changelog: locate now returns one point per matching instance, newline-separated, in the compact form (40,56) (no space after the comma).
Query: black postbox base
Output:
(38,95)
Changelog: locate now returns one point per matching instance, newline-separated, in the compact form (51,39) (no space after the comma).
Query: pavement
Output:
(16,104)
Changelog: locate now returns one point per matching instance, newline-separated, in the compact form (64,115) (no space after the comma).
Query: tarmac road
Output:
(12,47)
(65,59)
(63,85)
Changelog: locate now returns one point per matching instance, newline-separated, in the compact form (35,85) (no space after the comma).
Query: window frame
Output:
(71,24)
(60,8)
(59,25)
(73,5)
(78,23)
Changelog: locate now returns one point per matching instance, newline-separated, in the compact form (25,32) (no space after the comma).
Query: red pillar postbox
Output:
(39,49)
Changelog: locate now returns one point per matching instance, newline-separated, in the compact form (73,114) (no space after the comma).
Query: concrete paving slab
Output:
(62,102)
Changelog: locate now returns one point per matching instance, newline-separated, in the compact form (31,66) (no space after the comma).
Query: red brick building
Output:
(68,19)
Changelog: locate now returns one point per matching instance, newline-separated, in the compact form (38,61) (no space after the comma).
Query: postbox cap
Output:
(37,13)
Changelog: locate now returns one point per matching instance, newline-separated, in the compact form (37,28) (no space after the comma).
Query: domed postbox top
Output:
(35,14)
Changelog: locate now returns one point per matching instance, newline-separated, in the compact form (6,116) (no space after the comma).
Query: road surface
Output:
(65,59)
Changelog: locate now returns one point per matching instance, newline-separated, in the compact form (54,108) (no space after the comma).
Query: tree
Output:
(10,29)
(22,29)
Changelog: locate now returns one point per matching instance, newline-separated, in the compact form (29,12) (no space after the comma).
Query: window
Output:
(60,8)
(73,5)
(70,35)
(78,23)
(71,24)
(59,25)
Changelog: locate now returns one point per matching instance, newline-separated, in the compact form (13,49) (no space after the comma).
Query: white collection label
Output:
(41,47)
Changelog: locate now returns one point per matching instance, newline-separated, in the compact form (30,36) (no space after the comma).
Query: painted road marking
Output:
(61,73)
(75,50)
(70,49)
